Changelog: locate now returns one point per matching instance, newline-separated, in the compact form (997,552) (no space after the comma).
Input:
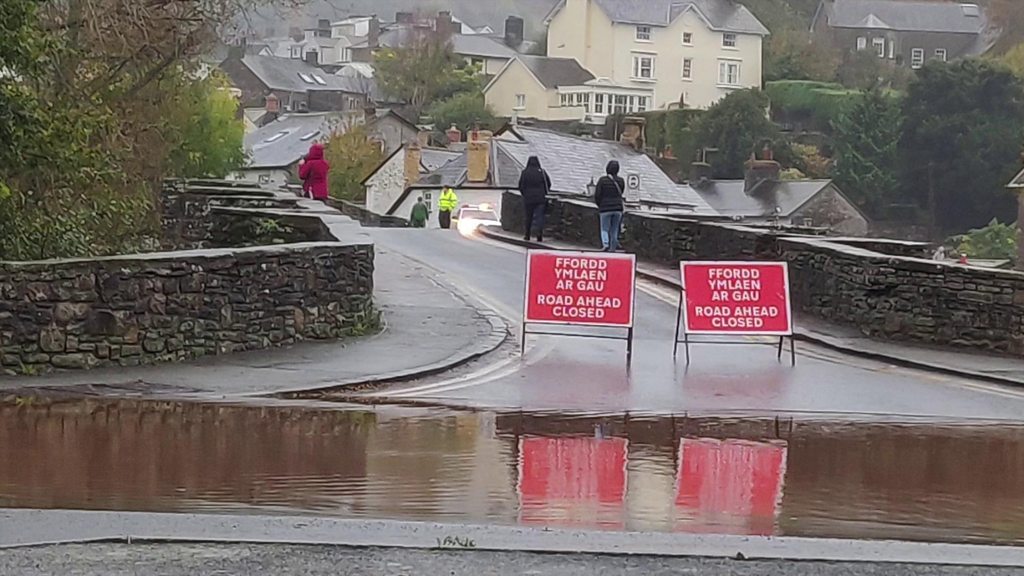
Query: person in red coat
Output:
(313,173)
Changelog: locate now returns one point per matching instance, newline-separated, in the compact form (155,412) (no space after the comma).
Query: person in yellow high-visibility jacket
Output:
(446,204)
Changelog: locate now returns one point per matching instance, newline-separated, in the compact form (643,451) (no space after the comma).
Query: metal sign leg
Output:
(686,346)
(679,324)
(629,347)
(782,340)
(792,350)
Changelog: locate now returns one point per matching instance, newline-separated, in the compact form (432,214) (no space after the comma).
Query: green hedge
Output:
(820,102)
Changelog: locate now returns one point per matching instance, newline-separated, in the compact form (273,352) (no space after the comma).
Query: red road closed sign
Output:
(737,298)
(584,288)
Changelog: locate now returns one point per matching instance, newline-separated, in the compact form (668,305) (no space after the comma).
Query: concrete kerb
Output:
(801,335)
(46,527)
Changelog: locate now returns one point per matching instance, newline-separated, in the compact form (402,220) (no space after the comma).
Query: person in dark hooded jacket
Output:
(313,172)
(608,197)
(534,185)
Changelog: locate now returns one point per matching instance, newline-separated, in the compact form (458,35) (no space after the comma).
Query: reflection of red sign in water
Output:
(736,298)
(587,288)
(730,484)
(572,481)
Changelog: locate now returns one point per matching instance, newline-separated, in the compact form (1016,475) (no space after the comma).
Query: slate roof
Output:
(286,74)
(555,72)
(907,16)
(722,15)
(480,45)
(729,198)
(432,159)
(283,142)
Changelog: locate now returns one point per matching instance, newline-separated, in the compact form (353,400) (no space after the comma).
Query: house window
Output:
(729,40)
(917,58)
(620,105)
(728,73)
(687,38)
(862,43)
(940,54)
(563,100)
(892,50)
(643,67)
(687,68)
(808,222)
(478,62)
(879,45)
(641,104)
(643,33)
(296,52)
(520,102)
(598,103)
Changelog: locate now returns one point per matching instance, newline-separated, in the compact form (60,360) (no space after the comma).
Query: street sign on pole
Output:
(633,184)
(593,289)
(735,298)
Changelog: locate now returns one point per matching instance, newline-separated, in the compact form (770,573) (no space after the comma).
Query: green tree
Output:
(996,241)
(465,111)
(866,141)
(424,71)
(961,142)
(737,126)
(353,157)
(1014,60)
(209,142)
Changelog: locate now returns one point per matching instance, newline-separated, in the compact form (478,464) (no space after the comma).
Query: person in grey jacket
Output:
(608,198)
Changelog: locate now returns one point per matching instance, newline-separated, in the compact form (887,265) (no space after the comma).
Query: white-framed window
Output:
(687,38)
(643,33)
(643,66)
(563,100)
(862,43)
(296,52)
(599,103)
(520,102)
(729,40)
(620,104)
(729,72)
(687,68)
(879,46)
(941,54)
(641,104)
(917,58)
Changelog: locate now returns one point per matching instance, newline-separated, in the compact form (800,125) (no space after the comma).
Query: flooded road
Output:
(758,476)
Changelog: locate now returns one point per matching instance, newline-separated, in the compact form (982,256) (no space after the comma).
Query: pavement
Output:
(430,326)
(246,559)
(974,365)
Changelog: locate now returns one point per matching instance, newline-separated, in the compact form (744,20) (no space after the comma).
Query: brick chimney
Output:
(700,174)
(478,156)
(454,135)
(411,168)
(760,170)
(423,137)
(444,25)
(273,104)
(373,36)
(515,30)
(633,132)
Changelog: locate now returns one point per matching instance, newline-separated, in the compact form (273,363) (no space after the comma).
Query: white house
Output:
(687,53)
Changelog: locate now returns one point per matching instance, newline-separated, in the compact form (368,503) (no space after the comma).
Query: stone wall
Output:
(365,217)
(853,282)
(145,308)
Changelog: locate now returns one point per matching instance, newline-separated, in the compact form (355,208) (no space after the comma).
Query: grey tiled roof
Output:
(285,74)
(434,158)
(291,137)
(574,162)
(910,16)
(555,72)
(480,45)
(723,15)
(728,197)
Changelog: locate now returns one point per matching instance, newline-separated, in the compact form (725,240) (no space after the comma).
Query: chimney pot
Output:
(633,132)
(700,174)
(273,103)
(454,135)
(758,171)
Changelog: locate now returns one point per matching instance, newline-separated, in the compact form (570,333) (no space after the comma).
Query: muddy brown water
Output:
(949,483)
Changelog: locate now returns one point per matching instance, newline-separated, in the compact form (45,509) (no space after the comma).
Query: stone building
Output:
(297,85)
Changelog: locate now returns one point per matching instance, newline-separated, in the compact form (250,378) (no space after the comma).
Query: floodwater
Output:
(949,483)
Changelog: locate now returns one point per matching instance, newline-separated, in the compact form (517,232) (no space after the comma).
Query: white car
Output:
(470,218)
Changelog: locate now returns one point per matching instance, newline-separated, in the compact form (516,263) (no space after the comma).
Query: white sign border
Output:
(686,320)
(580,254)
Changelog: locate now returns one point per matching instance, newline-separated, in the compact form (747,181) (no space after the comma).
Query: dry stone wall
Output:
(883,288)
(145,308)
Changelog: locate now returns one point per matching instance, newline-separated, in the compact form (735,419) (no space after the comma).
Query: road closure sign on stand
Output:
(736,298)
(580,289)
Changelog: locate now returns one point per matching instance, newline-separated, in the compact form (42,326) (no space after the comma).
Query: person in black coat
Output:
(608,198)
(534,185)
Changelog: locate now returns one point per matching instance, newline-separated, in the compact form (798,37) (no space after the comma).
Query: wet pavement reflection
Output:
(757,476)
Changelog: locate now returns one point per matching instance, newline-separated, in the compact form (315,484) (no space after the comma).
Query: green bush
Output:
(820,102)
(996,242)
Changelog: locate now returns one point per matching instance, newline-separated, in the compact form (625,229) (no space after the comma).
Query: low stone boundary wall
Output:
(145,308)
(846,281)
(365,217)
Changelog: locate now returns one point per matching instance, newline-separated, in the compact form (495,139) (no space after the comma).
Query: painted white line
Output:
(38,527)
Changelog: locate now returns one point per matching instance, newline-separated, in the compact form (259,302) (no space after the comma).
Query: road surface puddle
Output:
(952,483)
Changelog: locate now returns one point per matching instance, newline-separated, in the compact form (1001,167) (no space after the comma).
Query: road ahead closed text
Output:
(580,288)
(736,298)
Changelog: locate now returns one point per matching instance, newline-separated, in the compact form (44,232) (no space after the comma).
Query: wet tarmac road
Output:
(571,374)
(957,483)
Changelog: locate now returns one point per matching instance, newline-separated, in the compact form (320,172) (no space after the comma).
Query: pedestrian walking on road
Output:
(446,204)
(608,198)
(534,185)
(420,213)
(313,172)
